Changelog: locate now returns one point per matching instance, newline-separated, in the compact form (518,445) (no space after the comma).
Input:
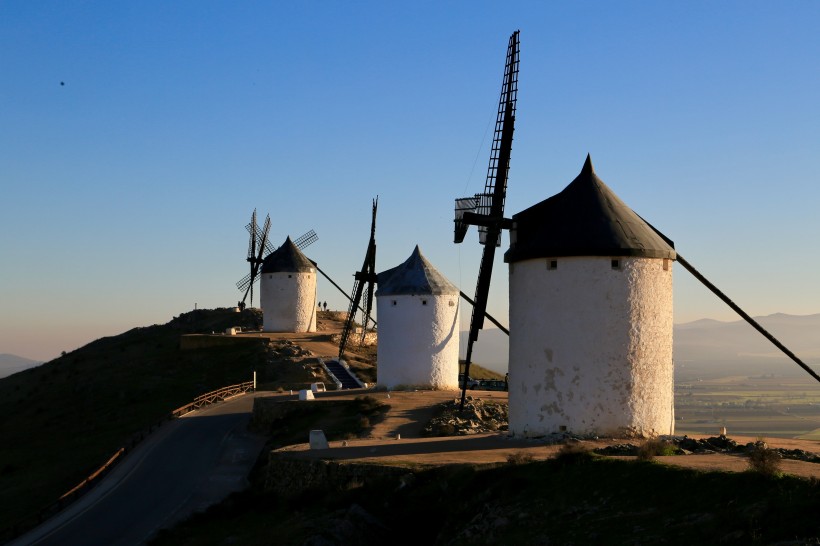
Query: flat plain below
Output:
(767,406)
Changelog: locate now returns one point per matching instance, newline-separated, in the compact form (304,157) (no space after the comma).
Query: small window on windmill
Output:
(616,264)
(394,303)
(424,302)
(552,265)
(290,276)
(451,303)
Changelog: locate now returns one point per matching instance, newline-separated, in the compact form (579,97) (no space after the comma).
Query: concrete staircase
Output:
(345,376)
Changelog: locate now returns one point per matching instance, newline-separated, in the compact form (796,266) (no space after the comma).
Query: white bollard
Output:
(306,394)
(318,440)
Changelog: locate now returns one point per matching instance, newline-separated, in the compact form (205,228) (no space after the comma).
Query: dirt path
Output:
(320,343)
(410,411)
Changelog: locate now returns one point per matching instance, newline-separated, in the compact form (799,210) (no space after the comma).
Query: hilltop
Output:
(85,404)
(88,403)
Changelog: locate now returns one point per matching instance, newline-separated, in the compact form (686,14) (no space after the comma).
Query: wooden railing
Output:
(212,397)
(81,488)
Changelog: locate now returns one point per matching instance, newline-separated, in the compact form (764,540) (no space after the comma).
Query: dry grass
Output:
(520,457)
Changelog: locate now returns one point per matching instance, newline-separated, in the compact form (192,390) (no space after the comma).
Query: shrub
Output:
(654,448)
(764,460)
(574,453)
(368,404)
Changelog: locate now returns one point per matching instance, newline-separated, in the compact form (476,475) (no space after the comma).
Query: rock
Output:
(617,450)
(477,417)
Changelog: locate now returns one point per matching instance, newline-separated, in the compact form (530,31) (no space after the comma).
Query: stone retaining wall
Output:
(289,476)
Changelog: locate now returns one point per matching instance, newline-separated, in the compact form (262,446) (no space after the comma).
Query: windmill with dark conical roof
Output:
(418,326)
(259,246)
(288,290)
(590,317)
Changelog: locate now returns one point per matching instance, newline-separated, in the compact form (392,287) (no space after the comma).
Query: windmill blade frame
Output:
(489,207)
(256,262)
(268,245)
(256,234)
(366,276)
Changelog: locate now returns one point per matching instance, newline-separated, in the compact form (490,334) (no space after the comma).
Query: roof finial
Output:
(588,166)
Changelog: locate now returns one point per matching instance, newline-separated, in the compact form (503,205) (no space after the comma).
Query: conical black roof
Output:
(416,276)
(585,219)
(287,259)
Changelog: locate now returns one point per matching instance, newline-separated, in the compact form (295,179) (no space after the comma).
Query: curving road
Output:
(188,465)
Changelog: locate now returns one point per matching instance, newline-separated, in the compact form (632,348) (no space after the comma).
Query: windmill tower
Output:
(418,326)
(288,291)
(590,317)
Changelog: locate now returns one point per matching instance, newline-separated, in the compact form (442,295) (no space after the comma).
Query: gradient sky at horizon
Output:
(136,139)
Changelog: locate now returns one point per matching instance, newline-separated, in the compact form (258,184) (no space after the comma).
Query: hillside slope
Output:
(63,419)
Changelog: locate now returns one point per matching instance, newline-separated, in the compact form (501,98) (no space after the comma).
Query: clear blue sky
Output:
(125,191)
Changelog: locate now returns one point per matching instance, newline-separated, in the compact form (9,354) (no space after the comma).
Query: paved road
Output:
(187,465)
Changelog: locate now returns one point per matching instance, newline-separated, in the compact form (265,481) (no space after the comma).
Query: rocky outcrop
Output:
(477,416)
(715,444)
(286,350)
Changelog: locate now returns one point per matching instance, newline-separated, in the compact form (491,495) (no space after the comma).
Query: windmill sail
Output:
(363,284)
(259,246)
(489,206)
(259,239)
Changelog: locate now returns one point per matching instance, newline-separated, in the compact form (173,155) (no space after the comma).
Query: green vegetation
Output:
(65,418)
(577,498)
(655,448)
(478,371)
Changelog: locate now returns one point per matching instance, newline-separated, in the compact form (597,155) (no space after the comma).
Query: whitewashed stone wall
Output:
(418,342)
(591,347)
(288,301)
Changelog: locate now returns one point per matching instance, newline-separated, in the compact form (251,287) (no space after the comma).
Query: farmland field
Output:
(766,405)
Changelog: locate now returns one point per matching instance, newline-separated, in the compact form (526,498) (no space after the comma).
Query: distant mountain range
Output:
(11,364)
(707,347)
